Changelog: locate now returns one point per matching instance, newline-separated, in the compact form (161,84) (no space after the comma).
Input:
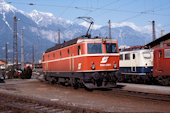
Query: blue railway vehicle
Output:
(136,66)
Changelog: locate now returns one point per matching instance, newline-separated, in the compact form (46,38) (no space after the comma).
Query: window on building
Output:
(53,55)
(60,53)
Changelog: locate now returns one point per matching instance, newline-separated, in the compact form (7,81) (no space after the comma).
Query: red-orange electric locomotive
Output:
(161,68)
(89,62)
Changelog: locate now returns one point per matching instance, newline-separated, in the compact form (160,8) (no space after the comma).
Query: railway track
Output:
(152,96)
(17,104)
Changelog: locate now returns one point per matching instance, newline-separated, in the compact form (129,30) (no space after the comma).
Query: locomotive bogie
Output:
(89,80)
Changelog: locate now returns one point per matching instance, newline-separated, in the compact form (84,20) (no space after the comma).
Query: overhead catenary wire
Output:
(153,11)
(93,9)
(106,5)
(62,13)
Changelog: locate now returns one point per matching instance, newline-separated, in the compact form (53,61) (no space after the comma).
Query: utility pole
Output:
(22,49)
(153,29)
(109,29)
(6,53)
(58,36)
(162,32)
(15,47)
(32,56)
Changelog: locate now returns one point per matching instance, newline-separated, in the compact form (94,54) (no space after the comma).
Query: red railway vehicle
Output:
(89,62)
(161,68)
(28,65)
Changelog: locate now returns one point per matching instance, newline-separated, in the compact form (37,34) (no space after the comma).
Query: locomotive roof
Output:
(74,41)
(65,44)
(136,50)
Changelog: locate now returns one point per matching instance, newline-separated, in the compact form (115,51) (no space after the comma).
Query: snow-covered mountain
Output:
(7,13)
(40,30)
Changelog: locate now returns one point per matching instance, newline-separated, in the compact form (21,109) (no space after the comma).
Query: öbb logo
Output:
(104,59)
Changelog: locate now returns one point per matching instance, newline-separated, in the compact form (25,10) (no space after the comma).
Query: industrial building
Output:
(163,41)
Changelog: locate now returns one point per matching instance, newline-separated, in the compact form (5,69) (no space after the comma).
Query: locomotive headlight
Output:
(114,65)
(92,66)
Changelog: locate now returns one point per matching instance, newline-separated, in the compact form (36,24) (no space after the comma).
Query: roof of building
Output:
(158,40)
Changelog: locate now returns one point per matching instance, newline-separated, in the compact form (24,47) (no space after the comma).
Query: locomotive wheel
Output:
(66,83)
(52,81)
(45,78)
(163,80)
(76,84)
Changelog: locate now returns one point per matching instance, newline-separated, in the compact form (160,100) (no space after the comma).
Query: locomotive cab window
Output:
(167,53)
(111,48)
(160,54)
(121,57)
(68,51)
(79,50)
(94,48)
(133,56)
(60,53)
(127,56)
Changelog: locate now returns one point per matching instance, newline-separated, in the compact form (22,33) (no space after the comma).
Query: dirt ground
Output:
(146,88)
(97,99)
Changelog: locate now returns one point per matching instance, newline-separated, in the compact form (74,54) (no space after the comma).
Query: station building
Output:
(163,41)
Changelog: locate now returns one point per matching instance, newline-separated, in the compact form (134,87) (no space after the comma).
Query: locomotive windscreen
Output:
(147,55)
(167,53)
(94,48)
(111,48)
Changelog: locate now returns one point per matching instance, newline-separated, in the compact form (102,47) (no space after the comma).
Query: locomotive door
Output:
(71,62)
(46,66)
(160,61)
(133,62)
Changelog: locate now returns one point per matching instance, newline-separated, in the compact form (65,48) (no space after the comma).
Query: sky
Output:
(136,13)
